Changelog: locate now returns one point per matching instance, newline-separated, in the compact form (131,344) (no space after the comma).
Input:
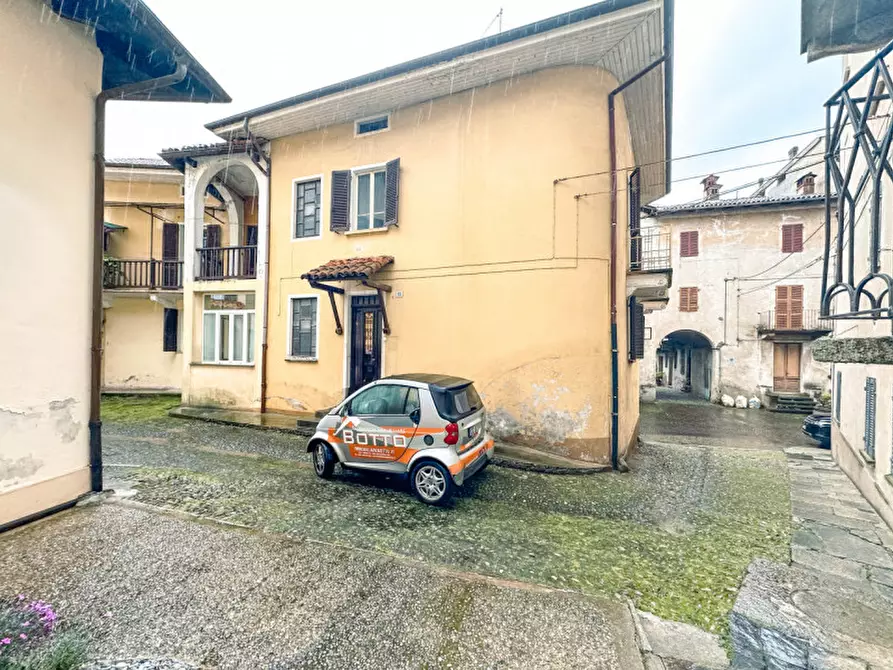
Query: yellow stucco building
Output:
(466,213)
(67,60)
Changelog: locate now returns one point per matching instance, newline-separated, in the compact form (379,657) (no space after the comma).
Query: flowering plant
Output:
(30,640)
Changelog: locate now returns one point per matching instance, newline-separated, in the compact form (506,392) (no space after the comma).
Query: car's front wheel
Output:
(323,460)
(432,483)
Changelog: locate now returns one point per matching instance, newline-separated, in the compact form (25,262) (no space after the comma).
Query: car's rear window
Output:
(456,403)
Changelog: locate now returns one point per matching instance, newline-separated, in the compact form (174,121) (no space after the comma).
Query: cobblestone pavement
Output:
(833,606)
(705,424)
(675,534)
(147,584)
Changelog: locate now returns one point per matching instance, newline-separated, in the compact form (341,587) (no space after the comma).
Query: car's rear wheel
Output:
(323,460)
(432,483)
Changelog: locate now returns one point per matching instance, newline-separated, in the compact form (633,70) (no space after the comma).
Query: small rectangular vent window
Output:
(373,125)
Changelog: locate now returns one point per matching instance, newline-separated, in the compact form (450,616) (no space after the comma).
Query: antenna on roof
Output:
(496,19)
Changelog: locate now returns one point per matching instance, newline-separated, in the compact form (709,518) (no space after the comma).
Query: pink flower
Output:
(5,640)
(23,636)
(27,623)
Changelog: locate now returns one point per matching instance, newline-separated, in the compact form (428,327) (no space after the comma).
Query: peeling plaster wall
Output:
(47,194)
(503,276)
(736,280)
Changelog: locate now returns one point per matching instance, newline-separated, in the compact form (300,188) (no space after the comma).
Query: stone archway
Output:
(684,365)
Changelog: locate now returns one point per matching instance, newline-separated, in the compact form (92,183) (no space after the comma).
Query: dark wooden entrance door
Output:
(365,340)
(786,375)
(170,256)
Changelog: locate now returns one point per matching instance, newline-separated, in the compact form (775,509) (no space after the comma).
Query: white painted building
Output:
(742,312)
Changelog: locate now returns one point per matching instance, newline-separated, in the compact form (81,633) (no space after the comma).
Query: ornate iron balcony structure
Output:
(857,163)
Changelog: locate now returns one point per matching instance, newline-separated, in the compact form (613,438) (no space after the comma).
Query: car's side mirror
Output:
(416,416)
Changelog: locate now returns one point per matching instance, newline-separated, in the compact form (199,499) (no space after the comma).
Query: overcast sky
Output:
(738,77)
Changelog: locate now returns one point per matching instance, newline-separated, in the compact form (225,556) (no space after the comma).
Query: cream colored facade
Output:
(45,350)
(492,262)
(61,63)
(140,200)
(502,266)
(731,338)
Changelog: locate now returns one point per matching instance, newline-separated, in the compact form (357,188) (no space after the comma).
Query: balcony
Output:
(216,263)
(649,275)
(121,274)
(808,323)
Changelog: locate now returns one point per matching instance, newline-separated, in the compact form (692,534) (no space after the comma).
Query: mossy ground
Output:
(675,534)
(137,408)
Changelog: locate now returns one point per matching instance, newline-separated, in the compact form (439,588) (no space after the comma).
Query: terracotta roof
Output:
(349,268)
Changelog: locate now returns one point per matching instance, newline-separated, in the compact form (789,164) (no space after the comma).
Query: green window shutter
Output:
(870,414)
(392,192)
(339,216)
(635,327)
(837,389)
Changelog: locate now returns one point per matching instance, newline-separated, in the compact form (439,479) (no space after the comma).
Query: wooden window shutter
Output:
(339,216)
(392,192)
(688,243)
(782,302)
(688,299)
(635,221)
(795,308)
(170,329)
(792,238)
(636,330)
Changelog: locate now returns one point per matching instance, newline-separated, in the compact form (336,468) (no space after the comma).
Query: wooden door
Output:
(788,307)
(365,346)
(786,376)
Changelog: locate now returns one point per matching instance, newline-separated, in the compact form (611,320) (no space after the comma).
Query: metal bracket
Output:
(382,289)
(331,290)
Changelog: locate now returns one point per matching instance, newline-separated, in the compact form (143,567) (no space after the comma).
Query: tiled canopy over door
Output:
(788,307)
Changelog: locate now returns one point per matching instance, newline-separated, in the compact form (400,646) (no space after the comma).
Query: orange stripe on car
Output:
(470,456)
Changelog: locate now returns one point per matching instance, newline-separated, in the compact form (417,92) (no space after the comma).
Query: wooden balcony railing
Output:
(226,263)
(807,321)
(649,251)
(142,274)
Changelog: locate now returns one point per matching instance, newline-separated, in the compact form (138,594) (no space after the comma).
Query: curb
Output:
(503,462)
(302,432)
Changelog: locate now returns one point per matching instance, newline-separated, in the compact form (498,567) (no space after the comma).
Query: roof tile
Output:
(348,268)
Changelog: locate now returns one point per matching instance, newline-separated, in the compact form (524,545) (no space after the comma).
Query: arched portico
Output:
(685,366)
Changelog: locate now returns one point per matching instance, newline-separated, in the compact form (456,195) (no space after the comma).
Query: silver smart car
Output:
(430,427)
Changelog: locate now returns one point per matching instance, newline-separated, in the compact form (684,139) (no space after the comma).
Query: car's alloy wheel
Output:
(323,462)
(432,483)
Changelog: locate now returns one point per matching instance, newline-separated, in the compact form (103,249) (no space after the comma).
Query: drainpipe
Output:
(615,358)
(119,93)
(263,344)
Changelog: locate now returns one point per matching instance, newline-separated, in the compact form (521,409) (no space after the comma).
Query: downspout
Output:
(615,357)
(263,344)
(119,93)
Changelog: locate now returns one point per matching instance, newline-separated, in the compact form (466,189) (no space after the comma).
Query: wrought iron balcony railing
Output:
(649,251)
(806,321)
(226,263)
(857,163)
(142,274)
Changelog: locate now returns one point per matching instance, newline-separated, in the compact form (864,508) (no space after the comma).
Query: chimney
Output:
(711,187)
(793,151)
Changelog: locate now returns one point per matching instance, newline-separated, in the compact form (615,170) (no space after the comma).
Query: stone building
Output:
(742,314)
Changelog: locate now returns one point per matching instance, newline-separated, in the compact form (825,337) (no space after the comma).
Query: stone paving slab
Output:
(146,585)
(832,608)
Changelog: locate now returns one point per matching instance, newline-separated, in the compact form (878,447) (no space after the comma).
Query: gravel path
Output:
(146,584)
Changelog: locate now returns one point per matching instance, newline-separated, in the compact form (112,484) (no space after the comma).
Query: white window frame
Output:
(288,333)
(231,335)
(355,173)
(294,205)
(366,119)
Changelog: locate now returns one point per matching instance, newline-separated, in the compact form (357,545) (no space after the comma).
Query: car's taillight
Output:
(452,434)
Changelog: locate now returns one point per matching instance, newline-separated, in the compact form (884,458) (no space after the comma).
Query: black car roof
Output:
(432,379)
